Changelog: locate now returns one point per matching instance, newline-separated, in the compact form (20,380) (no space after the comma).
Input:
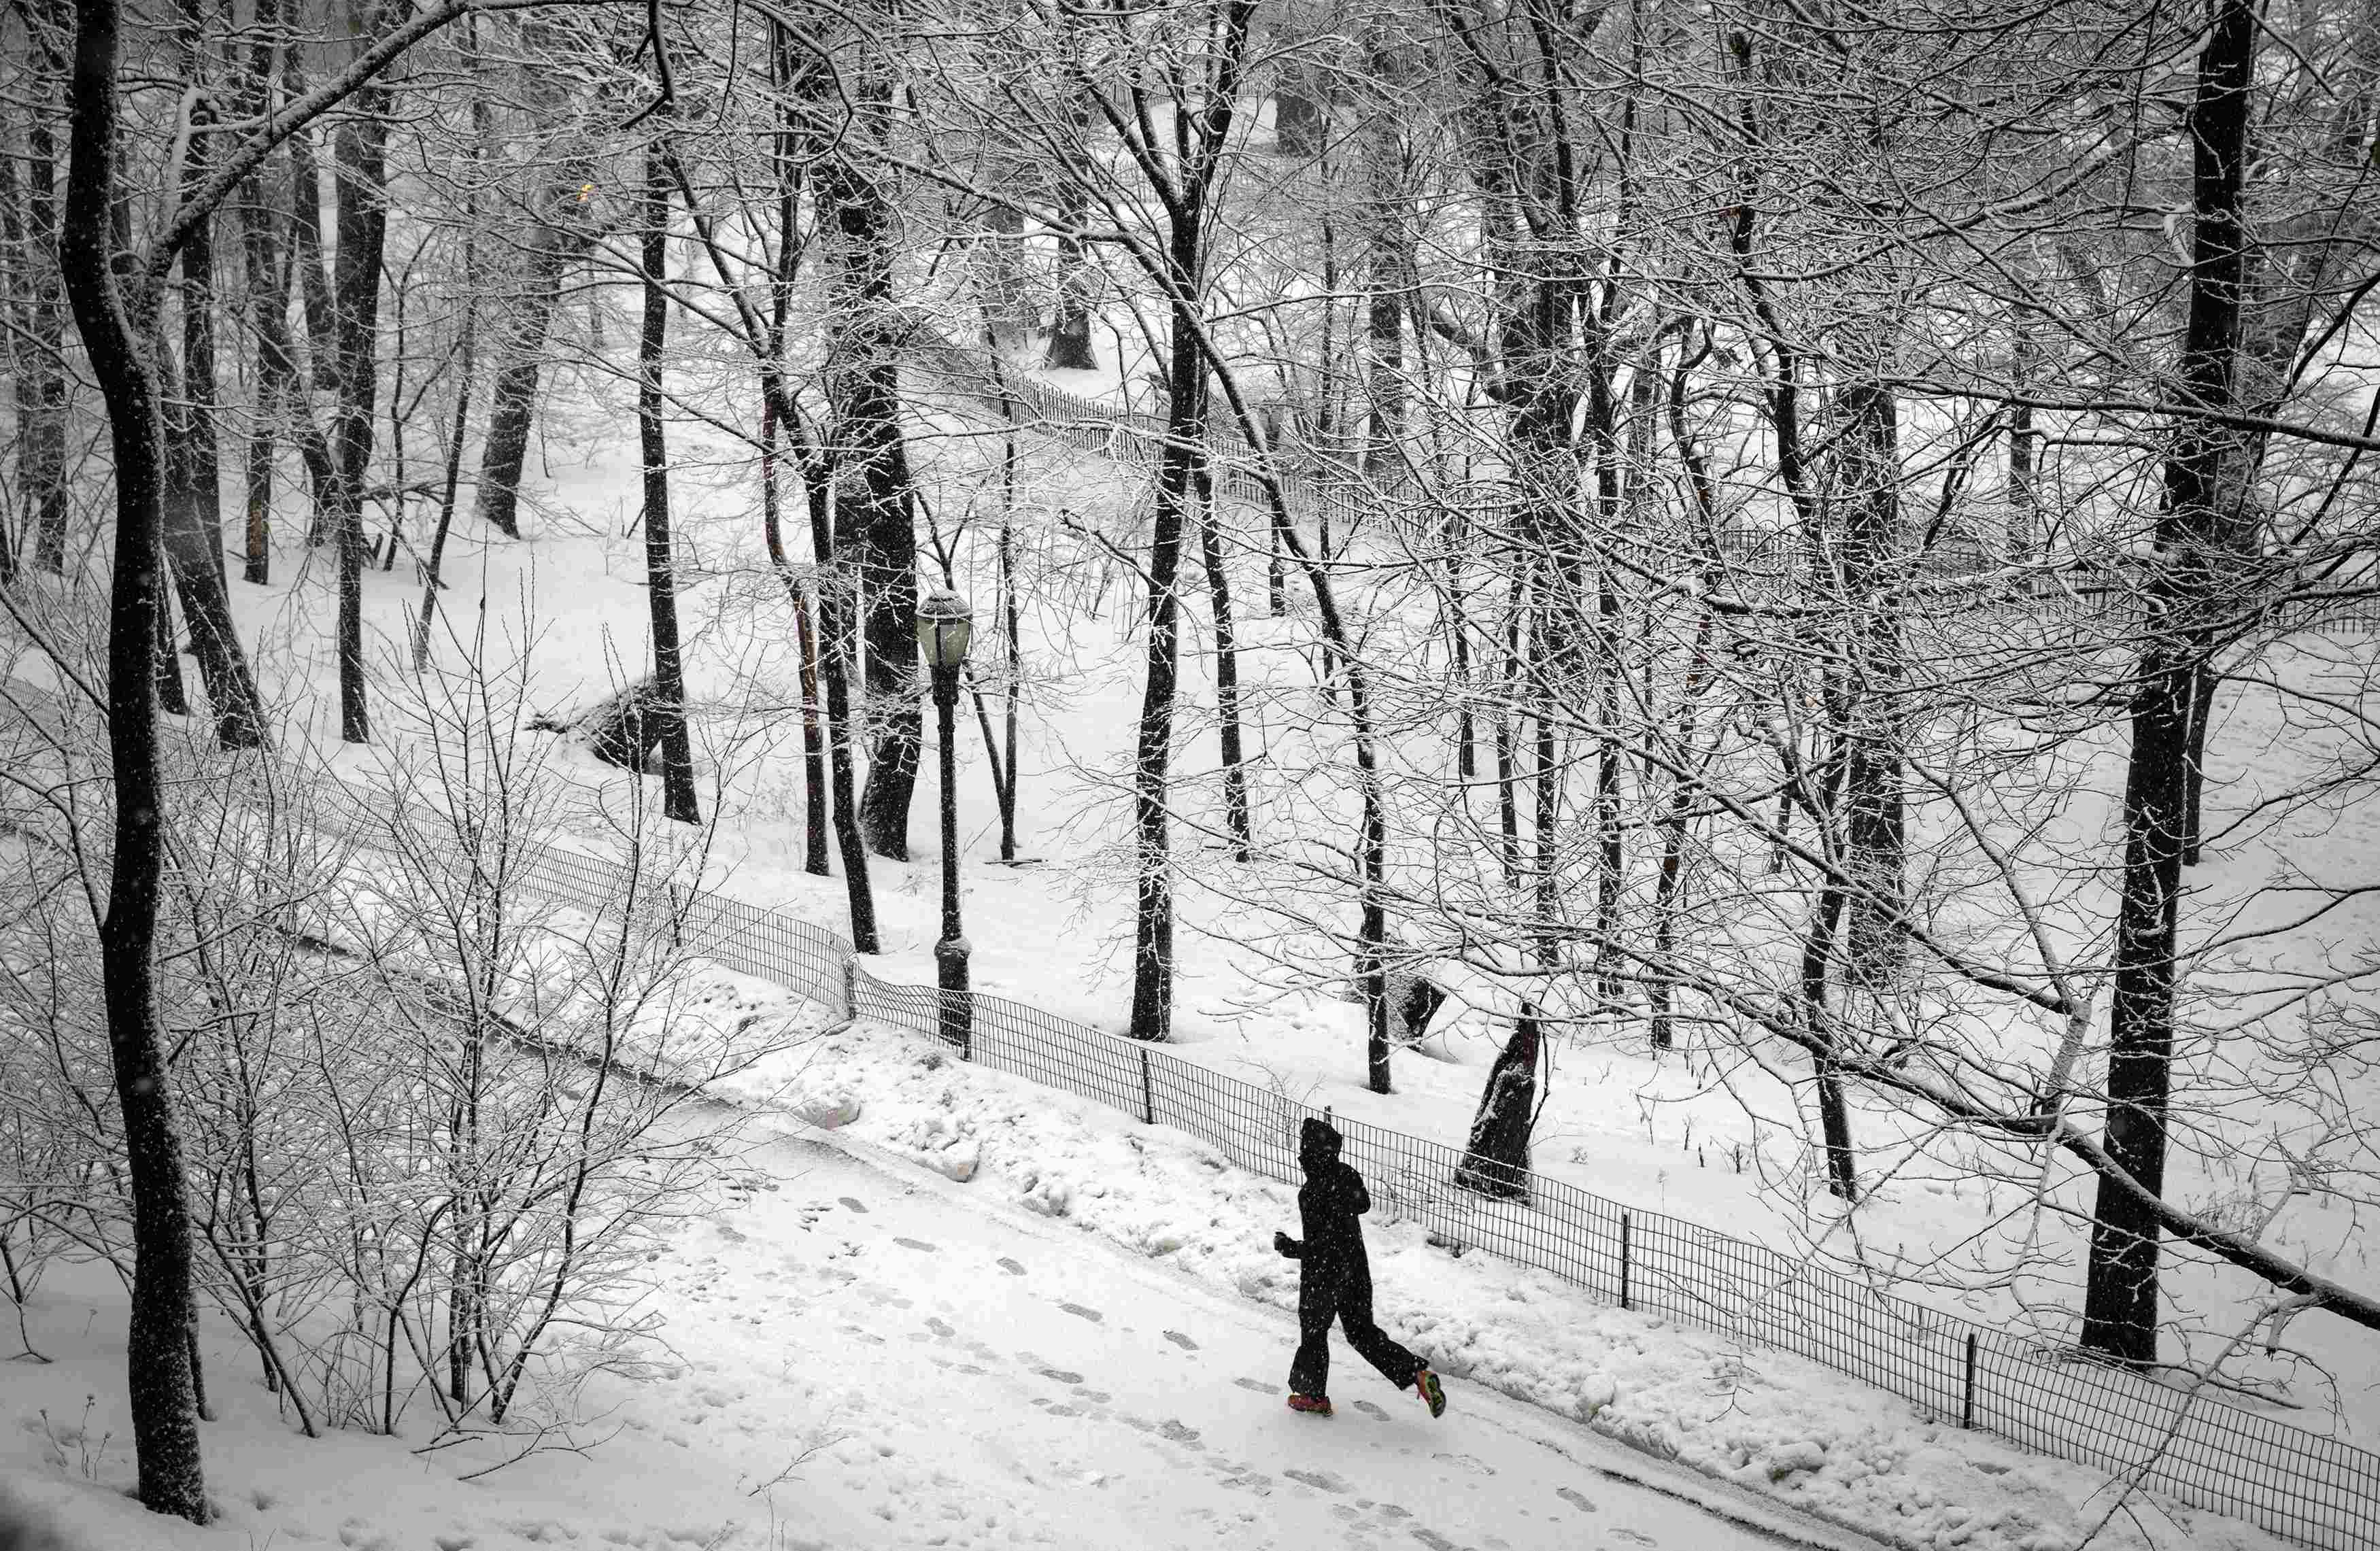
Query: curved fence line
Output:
(2321,1492)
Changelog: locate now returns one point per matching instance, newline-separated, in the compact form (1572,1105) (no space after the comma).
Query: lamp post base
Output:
(957,1023)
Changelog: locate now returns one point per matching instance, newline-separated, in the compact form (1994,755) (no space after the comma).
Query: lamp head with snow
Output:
(945,622)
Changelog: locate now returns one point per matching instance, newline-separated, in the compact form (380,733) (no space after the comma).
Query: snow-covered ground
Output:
(1081,1343)
(1655,1134)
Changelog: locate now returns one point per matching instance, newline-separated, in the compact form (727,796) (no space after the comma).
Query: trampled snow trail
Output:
(859,1353)
(991,1379)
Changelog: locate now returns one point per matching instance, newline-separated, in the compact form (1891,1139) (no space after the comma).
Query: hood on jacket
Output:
(1318,1143)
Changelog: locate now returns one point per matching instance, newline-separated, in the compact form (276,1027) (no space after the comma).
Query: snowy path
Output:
(862,1354)
(996,1379)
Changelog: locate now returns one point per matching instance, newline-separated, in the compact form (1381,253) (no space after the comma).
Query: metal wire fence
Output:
(2319,1491)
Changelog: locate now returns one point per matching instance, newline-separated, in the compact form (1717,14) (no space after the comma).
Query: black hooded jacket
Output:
(1328,1203)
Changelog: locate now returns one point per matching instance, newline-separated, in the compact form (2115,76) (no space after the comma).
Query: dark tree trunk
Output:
(1496,1160)
(763,340)
(789,71)
(512,397)
(835,629)
(465,374)
(817,826)
(1874,821)
(164,1399)
(1300,121)
(1236,820)
(320,369)
(1069,322)
(1008,318)
(42,399)
(1185,428)
(362,176)
(1388,256)
(2119,1306)
(1508,772)
(2025,450)
(16,286)
(267,284)
(1012,638)
(661,572)
(1678,816)
(1834,1114)
(193,498)
(1199,141)
(870,463)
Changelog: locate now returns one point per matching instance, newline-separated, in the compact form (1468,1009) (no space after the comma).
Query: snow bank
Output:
(1771,1422)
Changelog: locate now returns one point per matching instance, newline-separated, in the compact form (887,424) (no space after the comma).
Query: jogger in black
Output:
(1336,1280)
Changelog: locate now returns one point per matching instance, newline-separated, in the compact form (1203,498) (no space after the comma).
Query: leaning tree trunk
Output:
(163,1398)
(1496,1160)
(661,571)
(193,521)
(512,397)
(2120,1305)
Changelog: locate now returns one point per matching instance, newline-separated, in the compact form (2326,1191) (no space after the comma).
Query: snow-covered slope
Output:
(974,1313)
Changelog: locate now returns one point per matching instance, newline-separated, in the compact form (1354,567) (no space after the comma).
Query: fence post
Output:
(1967,1411)
(1147,1094)
(677,917)
(1624,1260)
(850,987)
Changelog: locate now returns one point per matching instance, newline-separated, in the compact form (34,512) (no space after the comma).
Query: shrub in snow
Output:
(433,1124)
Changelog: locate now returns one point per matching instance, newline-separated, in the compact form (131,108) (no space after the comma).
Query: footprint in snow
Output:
(1011,1267)
(1174,1432)
(1252,1383)
(1391,1511)
(1321,1481)
(1431,1538)
(1635,1537)
(914,1245)
(1184,1342)
(1081,1313)
(854,1203)
(1060,1375)
(1369,1408)
(1576,1498)
(938,1329)
(1466,1461)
